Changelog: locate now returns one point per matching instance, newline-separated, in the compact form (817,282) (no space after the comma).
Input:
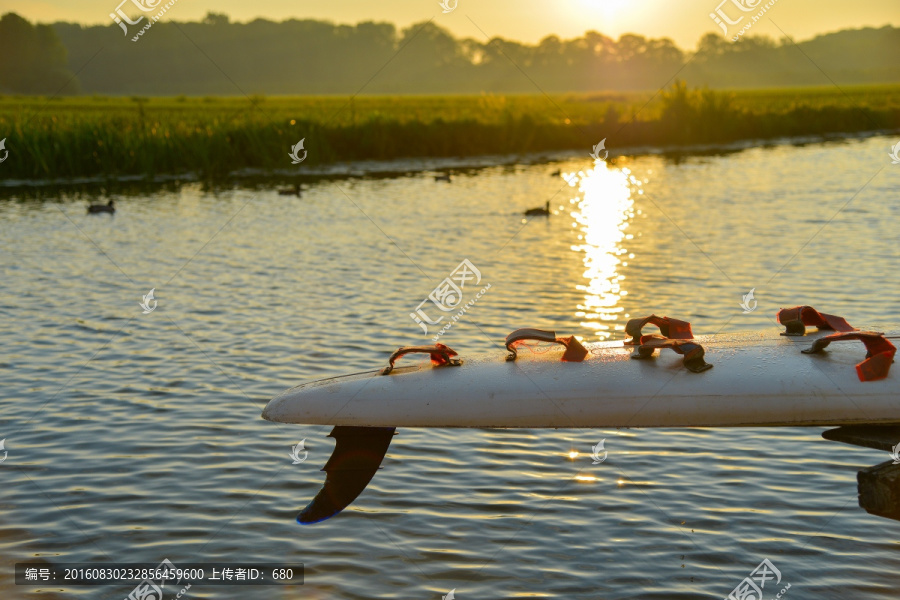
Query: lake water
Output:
(136,437)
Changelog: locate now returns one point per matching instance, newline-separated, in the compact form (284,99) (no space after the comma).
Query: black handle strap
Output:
(692,352)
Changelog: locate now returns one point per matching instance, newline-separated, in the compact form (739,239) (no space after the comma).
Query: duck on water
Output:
(539,212)
(291,191)
(109,207)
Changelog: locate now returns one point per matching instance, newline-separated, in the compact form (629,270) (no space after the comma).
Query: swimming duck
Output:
(292,191)
(539,212)
(109,207)
(443,177)
(556,173)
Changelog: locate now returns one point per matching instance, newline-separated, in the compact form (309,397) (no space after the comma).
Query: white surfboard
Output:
(758,379)
(733,380)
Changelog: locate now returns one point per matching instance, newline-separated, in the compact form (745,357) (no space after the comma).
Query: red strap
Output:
(670,328)
(795,318)
(575,352)
(879,352)
(440,355)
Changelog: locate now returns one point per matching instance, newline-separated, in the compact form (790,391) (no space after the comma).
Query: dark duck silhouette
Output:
(556,173)
(539,212)
(443,177)
(109,207)
(291,191)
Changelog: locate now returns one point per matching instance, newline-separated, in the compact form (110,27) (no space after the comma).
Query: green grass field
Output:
(211,137)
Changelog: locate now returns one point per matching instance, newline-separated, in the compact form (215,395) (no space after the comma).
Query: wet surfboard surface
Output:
(758,379)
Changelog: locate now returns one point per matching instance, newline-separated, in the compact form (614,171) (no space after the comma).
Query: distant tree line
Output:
(216,56)
(33,59)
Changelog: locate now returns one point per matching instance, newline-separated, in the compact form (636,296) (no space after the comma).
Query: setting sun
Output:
(608,9)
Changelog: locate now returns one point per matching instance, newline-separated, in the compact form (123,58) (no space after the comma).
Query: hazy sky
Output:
(684,21)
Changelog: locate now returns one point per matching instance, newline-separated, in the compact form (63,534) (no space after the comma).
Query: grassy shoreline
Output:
(213,137)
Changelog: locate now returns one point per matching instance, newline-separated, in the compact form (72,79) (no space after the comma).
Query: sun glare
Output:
(602,216)
(606,9)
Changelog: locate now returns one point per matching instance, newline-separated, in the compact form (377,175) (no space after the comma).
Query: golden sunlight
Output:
(607,9)
(602,216)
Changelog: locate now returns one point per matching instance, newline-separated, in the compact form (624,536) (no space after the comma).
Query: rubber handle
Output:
(670,328)
(794,319)
(692,351)
(575,352)
(441,355)
(879,352)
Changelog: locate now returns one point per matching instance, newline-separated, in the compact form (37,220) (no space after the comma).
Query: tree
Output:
(711,45)
(33,59)
(212,18)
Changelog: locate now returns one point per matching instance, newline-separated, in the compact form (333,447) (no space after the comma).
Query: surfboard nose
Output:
(307,400)
(317,402)
(275,409)
(310,403)
(266,414)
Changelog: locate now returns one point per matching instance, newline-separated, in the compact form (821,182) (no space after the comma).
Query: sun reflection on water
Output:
(602,215)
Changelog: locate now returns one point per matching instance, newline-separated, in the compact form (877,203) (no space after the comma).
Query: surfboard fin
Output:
(878,486)
(877,437)
(358,453)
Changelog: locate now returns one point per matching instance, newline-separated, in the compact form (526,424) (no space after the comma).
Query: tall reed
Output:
(212,137)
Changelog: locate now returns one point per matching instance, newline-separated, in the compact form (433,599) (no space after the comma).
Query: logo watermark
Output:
(148,298)
(295,452)
(747,300)
(895,153)
(3,449)
(146,6)
(723,20)
(148,588)
(448,297)
(448,7)
(895,453)
(751,588)
(295,149)
(595,153)
(595,452)
(6,152)
(451,595)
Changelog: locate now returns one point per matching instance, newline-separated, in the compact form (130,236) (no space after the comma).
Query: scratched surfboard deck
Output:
(758,379)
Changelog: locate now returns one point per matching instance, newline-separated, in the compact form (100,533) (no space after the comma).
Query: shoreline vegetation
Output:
(213,137)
